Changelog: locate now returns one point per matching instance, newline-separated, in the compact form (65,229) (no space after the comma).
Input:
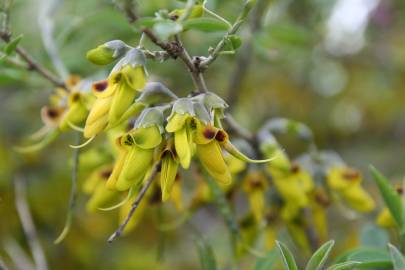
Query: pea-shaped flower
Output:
(116,95)
(169,170)
(182,123)
(346,182)
(210,141)
(136,151)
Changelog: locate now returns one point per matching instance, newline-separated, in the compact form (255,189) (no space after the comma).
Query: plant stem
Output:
(73,192)
(213,14)
(33,65)
(135,204)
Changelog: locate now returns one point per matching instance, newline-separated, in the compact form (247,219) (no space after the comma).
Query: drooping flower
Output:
(210,141)
(255,185)
(66,109)
(136,151)
(116,94)
(169,170)
(346,183)
(95,186)
(182,122)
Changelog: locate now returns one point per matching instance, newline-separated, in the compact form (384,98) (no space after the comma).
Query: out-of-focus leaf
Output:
(205,25)
(373,236)
(391,198)
(344,266)
(367,257)
(288,258)
(398,260)
(269,262)
(319,258)
(167,28)
(207,259)
(146,22)
(12,45)
(232,43)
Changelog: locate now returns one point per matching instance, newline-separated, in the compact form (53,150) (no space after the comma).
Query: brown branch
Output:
(135,204)
(33,65)
(174,48)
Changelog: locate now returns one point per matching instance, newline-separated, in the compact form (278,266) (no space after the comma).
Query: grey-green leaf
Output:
(205,25)
(319,258)
(207,259)
(398,260)
(390,196)
(286,255)
(12,45)
(268,262)
(344,266)
(167,28)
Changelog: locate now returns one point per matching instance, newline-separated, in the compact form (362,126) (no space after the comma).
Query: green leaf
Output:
(398,260)
(207,259)
(344,266)
(12,45)
(373,236)
(205,25)
(232,43)
(367,257)
(146,22)
(391,198)
(268,262)
(288,258)
(320,256)
(167,28)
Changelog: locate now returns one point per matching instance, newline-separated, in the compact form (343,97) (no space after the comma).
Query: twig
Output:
(73,192)
(174,49)
(33,65)
(48,8)
(135,204)
(28,225)
(234,127)
(221,44)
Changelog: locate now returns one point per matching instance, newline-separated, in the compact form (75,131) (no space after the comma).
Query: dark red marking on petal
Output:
(351,175)
(221,136)
(209,133)
(52,113)
(100,86)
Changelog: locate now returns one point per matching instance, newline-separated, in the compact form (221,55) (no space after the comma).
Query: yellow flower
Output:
(116,95)
(346,182)
(210,141)
(76,112)
(101,195)
(255,185)
(181,125)
(385,219)
(135,157)
(234,164)
(294,187)
(210,153)
(168,171)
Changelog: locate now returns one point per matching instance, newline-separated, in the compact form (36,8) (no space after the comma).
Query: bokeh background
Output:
(338,66)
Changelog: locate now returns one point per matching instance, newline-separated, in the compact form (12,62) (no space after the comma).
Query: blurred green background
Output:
(338,66)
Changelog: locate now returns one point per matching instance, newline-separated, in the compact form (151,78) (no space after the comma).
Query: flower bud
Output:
(107,53)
